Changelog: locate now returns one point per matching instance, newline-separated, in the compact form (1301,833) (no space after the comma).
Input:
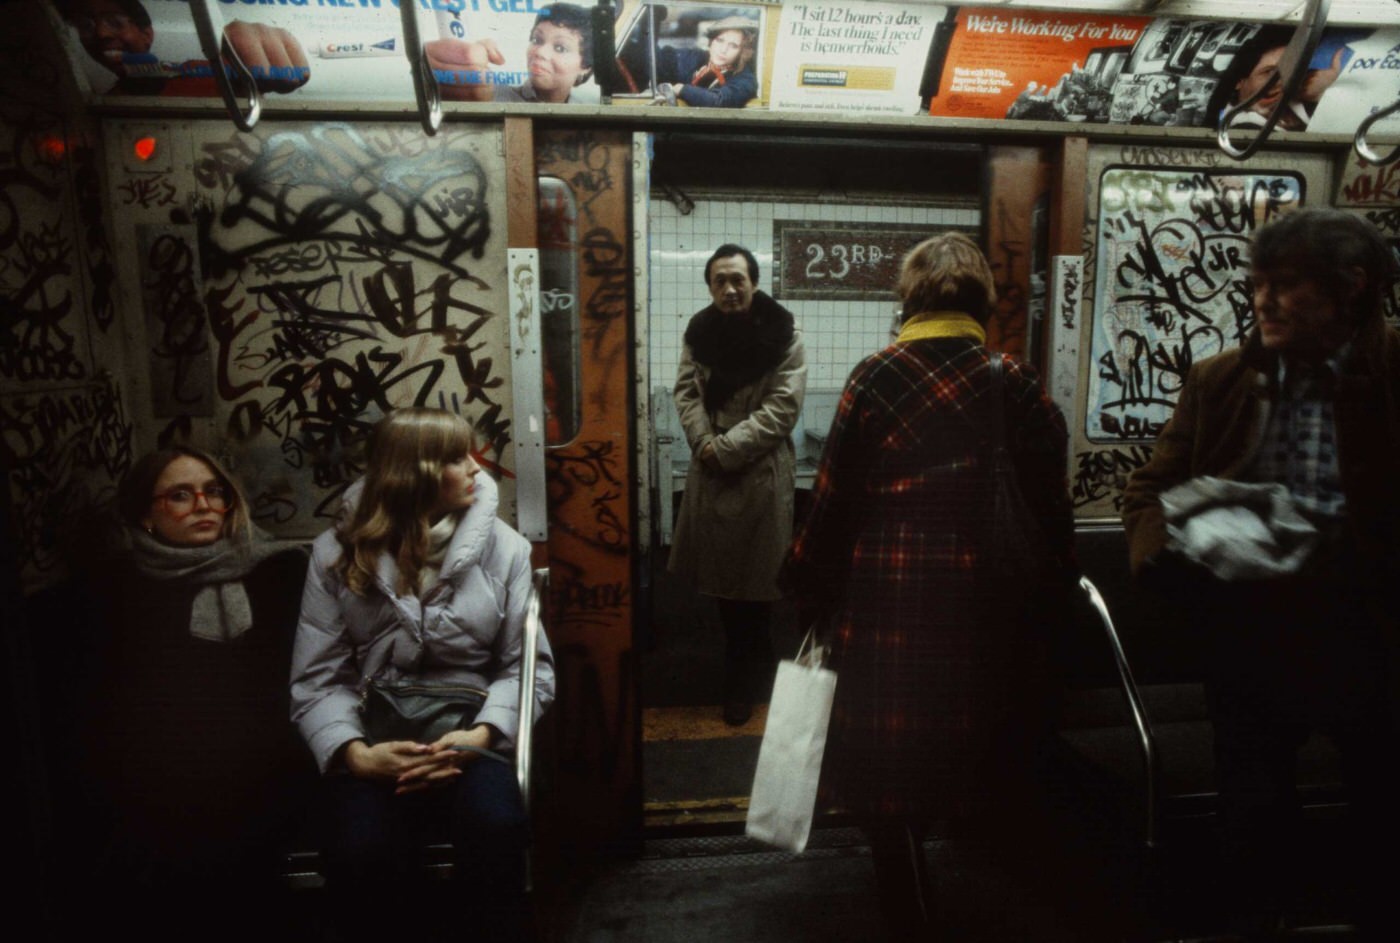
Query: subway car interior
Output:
(263,257)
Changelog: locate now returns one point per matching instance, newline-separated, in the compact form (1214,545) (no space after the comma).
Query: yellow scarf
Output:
(941,324)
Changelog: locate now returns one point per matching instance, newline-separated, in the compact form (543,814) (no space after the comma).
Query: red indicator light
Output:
(145,148)
(51,149)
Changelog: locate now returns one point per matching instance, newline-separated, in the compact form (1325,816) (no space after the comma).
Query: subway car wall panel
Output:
(590,486)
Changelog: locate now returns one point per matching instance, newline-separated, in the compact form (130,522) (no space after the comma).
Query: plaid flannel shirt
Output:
(1300,444)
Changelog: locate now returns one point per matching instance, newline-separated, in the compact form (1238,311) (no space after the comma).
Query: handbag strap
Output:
(481,751)
(998,408)
(998,417)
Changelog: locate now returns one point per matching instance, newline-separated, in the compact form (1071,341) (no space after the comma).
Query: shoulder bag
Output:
(421,712)
(1017,548)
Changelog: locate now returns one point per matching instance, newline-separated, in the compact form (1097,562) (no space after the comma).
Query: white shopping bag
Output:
(790,758)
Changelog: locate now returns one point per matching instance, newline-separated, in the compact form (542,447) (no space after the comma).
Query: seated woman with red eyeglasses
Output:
(191,765)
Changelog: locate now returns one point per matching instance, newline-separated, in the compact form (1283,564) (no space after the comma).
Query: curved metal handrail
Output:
(529,656)
(1135,705)
(1293,67)
(209,27)
(425,84)
(1363,149)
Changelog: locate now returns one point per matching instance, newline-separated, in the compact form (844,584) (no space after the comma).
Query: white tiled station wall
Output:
(837,334)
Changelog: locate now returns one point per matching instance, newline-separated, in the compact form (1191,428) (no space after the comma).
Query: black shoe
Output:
(737,711)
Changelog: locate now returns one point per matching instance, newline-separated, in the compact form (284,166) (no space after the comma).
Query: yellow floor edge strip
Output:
(696,811)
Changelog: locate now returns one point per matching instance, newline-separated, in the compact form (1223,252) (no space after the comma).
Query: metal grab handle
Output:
(209,27)
(1292,67)
(1363,149)
(529,656)
(1135,706)
(425,84)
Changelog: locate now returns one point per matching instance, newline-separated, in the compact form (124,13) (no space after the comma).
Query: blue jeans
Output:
(372,848)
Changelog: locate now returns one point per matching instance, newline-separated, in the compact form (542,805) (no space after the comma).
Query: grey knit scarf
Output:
(221,611)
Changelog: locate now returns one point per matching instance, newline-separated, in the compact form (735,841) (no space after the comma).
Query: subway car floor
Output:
(698,878)
(697,770)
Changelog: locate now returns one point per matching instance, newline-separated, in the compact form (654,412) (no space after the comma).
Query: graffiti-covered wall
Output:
(289,287)
(267,296)
(1373,193)
(65,421)
(1165,284)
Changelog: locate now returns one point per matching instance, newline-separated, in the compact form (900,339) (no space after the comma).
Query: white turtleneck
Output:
(439,539)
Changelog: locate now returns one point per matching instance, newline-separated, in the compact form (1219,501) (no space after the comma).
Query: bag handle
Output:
(810,653)
(480,751)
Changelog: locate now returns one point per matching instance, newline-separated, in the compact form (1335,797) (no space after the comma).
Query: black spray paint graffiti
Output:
(578,599)
(430,205)
(154,190)
(1173,286)
(593,178)
(1102,474)
(589,467)
(39,319)
(1148,156)
(338,265)
(102,274)
(63,452)
(1069,294)
(323,398)
(176,328)
(603,257)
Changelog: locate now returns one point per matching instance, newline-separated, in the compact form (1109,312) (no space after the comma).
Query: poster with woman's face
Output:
(479,50)
(702,55)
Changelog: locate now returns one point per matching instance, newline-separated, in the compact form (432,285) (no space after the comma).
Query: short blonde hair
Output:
(947,273)
(408,450)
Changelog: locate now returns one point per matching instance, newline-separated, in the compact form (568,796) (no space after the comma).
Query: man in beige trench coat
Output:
(739,394)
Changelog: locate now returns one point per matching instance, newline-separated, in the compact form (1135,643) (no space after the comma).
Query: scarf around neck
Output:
(939,324)
(738,349)
(707,76)
(220,611)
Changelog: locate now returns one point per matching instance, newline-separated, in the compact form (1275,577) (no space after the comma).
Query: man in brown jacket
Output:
(1310,401)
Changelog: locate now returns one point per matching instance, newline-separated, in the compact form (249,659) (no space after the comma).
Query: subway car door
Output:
(585,239)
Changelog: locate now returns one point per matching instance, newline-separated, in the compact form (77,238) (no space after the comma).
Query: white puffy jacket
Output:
(466,629)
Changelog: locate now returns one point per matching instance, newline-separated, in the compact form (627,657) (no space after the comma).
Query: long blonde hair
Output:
(408,450)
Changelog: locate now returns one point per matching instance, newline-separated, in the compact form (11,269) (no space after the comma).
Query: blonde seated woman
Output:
(419,584)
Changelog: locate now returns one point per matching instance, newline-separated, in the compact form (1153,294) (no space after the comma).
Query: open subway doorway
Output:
(828,220)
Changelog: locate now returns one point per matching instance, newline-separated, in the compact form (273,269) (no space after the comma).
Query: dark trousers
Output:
(372,845)
(902,878)
(1292,659)
(748,647)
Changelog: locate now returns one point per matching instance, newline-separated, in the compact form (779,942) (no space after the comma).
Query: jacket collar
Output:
(468,541)
(1353,362)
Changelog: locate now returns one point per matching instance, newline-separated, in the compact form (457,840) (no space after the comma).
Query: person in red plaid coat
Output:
(941,670)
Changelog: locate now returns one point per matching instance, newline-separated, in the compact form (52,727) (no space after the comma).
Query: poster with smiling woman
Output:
(532,52)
